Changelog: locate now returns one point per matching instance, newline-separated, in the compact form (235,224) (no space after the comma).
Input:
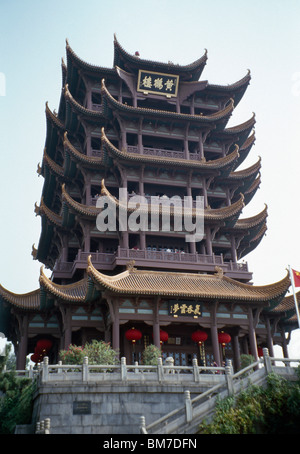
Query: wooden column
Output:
(204,191)
(269,337)
(252,336)
(236,351)
(116,332)
(23,343)
(284,344)
(201,149)
(208,241)
(67,326)
(156,326)
(233,249)
(214,336)
(156,334)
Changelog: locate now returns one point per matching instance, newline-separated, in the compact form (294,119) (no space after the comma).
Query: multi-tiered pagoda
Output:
(155,130)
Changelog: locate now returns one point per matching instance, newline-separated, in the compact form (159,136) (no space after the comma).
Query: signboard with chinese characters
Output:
(158,83)
(185,308)
(82,407)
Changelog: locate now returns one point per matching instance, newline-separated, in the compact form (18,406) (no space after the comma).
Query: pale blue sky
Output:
(262,35)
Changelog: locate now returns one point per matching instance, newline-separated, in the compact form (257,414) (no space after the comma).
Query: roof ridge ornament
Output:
(219,272)
(130,266)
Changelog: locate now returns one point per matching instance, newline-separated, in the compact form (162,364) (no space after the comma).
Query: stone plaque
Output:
(82,407)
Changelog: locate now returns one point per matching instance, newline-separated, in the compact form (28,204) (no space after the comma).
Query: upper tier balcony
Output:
(152,259)
(161,152)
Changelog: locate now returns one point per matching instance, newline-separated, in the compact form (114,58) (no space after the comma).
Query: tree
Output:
(16,397)
(274,409)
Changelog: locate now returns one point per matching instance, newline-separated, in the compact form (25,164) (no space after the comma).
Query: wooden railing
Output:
(166,256)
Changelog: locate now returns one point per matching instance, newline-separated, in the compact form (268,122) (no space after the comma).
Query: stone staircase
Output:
(186,419)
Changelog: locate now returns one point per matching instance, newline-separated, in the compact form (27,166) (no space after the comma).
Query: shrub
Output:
(73,355)
(16,400)
(274,409)
(151,355)
(98,352)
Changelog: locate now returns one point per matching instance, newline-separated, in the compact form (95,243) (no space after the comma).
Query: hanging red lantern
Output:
(44,345)
(199,336)
(224,338)
(133,335)
(164,336)
(35,358)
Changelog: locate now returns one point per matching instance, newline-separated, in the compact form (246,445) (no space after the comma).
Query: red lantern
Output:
(199,336)
(164,336)
(44,345)
(223,338)
(133,335)
(35,358)
(260,352)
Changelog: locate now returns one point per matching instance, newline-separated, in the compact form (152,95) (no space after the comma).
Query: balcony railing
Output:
(168,259)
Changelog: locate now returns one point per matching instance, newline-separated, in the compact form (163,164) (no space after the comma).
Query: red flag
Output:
(296,276)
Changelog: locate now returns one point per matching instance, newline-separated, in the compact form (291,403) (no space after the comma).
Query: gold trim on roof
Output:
(88,160)
(204,286)
(53,118)
(30,300)
(241,127)
(245,173)
(134,157)
(196,66)
(209,213)
(252,221)
(57,169)
(208,119)
(53,217)
(75,292)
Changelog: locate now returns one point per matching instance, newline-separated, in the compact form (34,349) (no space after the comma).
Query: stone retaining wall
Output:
(75,408)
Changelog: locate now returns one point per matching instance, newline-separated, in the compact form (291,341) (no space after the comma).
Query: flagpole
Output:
(295,298)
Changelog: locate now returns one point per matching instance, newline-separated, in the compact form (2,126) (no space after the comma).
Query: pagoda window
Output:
(162,244)
(109,245)
(72,253)
(132,188)
(161,190)
(96,144)
(132,139)
(96,101)
(154,104)
(95,245)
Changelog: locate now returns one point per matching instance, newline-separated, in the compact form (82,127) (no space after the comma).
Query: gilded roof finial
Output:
(219,272)
(130,266)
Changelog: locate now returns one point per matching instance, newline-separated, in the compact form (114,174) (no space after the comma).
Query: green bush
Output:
(73,355)
(98,352)
(151,355)
(274,409)
(16,400)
